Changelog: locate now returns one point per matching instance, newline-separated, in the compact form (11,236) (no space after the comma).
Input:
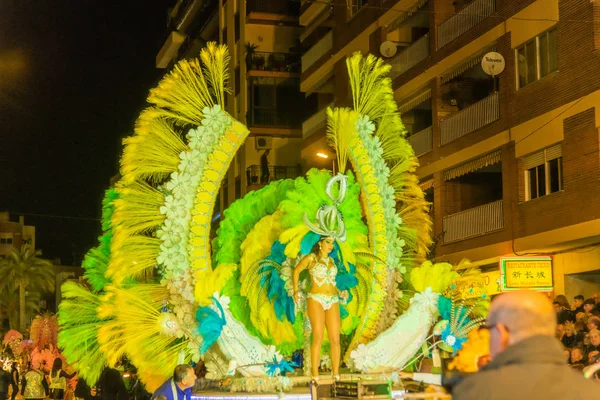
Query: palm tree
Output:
(22,270)
(9,305)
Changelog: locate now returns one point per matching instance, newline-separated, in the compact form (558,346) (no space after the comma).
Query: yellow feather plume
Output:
(215,59)
(340,122)
(137,208)
(212,281)
(256,247)
(153,152)
(132,255)
(182,94)
(136,331)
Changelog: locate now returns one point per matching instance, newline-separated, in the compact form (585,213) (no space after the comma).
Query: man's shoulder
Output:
(492,384)
(475,385)
(162,389)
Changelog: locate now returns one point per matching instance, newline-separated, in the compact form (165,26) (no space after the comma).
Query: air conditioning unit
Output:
(263,143)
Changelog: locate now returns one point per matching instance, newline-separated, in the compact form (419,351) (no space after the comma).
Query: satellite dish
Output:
(493,63)
(388,49)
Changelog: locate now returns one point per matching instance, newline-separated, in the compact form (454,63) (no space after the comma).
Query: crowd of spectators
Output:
(578,329)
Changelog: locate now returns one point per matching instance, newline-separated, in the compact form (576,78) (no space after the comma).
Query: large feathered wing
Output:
(370,137)
(158,220)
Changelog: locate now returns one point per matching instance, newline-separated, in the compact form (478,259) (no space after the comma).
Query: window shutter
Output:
(540,157)
(554,152)
(534,160)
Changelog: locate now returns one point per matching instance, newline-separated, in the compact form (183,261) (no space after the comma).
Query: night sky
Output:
(74,74)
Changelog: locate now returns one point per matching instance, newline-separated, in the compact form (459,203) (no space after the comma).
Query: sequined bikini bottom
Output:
(325,300)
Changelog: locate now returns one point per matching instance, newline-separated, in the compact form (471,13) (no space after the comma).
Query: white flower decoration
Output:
(362,359)
(170,324)
(427,300)
(365,125)
(450,340)
(223,300)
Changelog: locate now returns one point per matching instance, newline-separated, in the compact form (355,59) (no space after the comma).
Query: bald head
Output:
(524,313)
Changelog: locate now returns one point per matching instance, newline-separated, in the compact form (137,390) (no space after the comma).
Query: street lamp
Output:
(325,157)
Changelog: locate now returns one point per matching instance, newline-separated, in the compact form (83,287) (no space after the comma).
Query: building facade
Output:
(13,233)
(510,162)
(262,37)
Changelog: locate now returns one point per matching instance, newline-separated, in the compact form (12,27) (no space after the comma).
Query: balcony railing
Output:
(474,222)
(311,9)
(257,176)
(266,61)
(466,18)
(410,57)
(470,119)
(284,7)
(315,122)
(422,141)
(273,118)
(317,51)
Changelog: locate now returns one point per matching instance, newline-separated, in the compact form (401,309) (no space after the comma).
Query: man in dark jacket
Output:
(527,360)
(5,381)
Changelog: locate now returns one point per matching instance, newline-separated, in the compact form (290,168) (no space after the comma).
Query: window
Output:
(354,6)
(537,58)
(543,173)
(237,26)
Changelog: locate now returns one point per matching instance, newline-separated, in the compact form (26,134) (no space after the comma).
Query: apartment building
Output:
(263,38)
(14,233)
(510,163)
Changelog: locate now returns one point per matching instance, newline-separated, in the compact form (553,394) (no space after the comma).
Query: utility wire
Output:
(56,216)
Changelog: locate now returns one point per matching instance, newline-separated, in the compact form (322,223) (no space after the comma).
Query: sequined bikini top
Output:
(321,274)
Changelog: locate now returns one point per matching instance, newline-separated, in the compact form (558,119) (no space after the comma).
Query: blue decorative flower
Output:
(454,342)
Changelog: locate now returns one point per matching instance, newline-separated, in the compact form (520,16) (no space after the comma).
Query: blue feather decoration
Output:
(271,281)
(280,367)
(210,325)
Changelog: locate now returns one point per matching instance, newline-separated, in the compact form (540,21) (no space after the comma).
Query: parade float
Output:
(162,291)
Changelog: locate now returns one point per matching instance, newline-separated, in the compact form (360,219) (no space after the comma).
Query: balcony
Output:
(273,118)
(274,62)
(315,53)
(411,56)
(464,20)
(310,10)
(474,222)
(256,179)
(316,122)
(282,7)
(422,142)
(470,119)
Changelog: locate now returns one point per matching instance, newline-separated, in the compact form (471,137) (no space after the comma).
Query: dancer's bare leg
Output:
(332,321)
(316,314)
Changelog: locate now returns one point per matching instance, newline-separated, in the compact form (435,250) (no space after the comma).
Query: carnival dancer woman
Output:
(322,302)
(34,385)
(323,296)
(58,380)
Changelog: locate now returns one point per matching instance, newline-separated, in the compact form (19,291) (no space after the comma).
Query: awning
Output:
(470,62)
(405,14)
(414,101)
(473,165)
(427,184)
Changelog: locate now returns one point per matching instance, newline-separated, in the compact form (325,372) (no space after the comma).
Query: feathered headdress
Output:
(329,220)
